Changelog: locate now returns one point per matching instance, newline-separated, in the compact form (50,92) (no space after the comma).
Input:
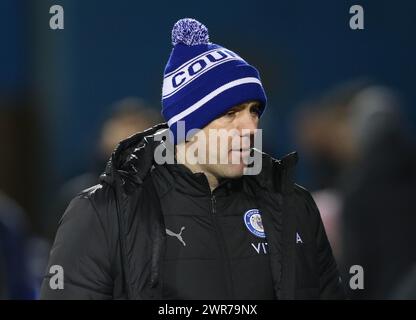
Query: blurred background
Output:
(344,99)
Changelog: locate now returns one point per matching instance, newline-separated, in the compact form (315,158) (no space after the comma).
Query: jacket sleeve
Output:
(81,252)
(330,284)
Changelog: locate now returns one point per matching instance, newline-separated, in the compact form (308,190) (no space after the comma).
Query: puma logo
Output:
(177,235)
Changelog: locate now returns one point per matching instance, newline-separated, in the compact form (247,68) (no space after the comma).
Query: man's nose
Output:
(247,126)
(247,123)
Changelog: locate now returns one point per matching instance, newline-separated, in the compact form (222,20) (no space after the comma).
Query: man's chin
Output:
(235,170)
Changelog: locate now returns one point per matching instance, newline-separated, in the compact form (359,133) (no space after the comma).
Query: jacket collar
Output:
(182,179)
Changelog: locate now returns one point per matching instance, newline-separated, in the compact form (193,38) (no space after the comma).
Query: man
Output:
(195,229)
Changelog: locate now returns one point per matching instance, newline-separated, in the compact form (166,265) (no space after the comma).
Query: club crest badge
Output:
(252,220)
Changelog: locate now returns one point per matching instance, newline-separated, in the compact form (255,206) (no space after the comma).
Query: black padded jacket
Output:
(113,240)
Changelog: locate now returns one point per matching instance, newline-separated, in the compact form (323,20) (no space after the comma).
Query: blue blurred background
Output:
(59,87)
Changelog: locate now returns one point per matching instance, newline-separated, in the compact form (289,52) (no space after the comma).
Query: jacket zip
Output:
(221,242)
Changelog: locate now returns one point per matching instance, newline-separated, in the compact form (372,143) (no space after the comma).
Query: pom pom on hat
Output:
(190,32)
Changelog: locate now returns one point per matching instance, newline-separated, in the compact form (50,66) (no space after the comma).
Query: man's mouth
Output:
(244,152)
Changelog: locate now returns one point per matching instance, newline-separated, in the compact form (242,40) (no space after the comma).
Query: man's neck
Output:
(212,180)
(196,168)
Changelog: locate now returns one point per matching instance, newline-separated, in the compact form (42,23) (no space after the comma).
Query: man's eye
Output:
(230,113)
(255,110)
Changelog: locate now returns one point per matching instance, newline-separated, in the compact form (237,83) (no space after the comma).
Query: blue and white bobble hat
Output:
(203,80)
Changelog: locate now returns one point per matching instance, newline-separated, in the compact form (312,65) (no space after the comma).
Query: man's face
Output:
(223,146)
